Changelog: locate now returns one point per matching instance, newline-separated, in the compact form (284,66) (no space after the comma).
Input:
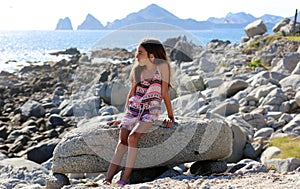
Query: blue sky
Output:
(44,14)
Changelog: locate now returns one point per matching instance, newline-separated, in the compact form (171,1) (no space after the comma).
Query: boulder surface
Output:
(90,147)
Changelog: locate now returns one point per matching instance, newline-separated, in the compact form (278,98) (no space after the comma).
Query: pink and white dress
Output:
(145,104)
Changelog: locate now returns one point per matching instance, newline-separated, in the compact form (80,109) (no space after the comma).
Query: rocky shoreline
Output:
(255,89)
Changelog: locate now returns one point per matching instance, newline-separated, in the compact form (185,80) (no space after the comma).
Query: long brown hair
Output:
(155,47)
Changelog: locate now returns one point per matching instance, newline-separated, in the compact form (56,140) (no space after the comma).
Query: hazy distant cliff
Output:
(154,13)
(64,24)
(90,23)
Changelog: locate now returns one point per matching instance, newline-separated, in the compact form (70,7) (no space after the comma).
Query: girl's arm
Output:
(130,94)
(165,73)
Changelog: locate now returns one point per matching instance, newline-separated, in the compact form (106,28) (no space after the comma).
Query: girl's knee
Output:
(133,139)
(123,142)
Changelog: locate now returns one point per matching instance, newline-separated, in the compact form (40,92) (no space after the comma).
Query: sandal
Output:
(106,182)
(121,183)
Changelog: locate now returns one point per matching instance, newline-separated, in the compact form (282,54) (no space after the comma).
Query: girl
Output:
(150,78)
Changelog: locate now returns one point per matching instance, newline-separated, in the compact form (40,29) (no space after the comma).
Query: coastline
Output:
(38,106)
(17,47)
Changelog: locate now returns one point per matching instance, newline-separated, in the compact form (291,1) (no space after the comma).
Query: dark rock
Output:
(182,51)
(56,120)
(42,152)
(146,175)
(1,101)
(104,76)
(215,43)
(237,167)
(16,89)
(208,167)
(3,132)
(69,51)
(33,108)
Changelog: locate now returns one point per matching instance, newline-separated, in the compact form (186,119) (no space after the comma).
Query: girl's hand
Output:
(114,122)
(169,122)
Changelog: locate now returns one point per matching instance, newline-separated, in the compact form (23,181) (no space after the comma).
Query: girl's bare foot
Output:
(106,182)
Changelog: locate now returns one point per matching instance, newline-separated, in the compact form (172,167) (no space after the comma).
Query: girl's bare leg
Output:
(133,139)
(118,155)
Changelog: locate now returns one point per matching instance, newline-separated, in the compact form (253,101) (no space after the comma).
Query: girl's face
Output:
(142,56)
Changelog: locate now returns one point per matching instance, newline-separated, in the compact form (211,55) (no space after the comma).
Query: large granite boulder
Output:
(255,28)
(90,147)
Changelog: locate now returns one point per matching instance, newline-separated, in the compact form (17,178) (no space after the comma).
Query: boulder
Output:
(187,105)
(287,64)
(42,152)
(281,24)
(268,75)
(226,108)
(15,171)
(254,149)
(207,167)
(264,133)
(255,28)
(114,93)
(57,181)
(291,81)
(269,153)
(206,66)
(294,123)
(289,28)
(257,120)
(182,51)
(252,167)
(230,88)
(274,99)
(283,165)
(239,142)
(90,147)
(33,108)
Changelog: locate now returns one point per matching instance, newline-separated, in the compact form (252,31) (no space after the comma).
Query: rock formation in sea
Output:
(90,23)
(155,13)
(64,24)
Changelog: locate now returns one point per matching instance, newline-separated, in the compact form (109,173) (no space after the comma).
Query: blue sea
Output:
(19,48)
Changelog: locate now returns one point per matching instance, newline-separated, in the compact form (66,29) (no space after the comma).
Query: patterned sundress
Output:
(145,104)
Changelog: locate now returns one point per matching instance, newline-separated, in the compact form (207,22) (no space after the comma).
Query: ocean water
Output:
(19,48)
